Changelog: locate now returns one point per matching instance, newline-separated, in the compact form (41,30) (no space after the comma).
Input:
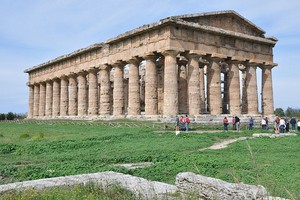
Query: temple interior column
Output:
(36,100)
(31,101)
(42,100)
(118,92)
(82,94)
(193,83)
(134,104)
(105,91)
(251,88)
(214,87)
(150,86)
(244,106)
(56,97)
(93,92)
(160,85)
(73,95)
(170,84)
(267,91)
(49,98)
(64,96)
(202,88)
(234,97)
(182,85)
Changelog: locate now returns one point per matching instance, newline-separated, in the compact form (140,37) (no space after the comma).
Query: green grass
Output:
(41,150)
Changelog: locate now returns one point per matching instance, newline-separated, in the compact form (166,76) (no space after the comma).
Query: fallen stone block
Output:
(212,188)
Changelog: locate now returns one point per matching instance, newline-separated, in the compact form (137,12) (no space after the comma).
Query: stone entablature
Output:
(213,37)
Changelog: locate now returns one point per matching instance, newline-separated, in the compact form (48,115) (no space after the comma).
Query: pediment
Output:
(227,20)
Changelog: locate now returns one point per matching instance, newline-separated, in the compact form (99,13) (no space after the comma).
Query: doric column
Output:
(31,101)
(193,84)
(251,88)
(42,100)
(105,90)
(36,100)
(202,87)
(134,105)
(234,97)
(73,95)
(244,106)
(118,93)
(170,83)
(82,94)
(64,96)
(93,92)
(160,85)
(56,97)
(214,87)
(150,86)
(182,85)
(49,98)
(267,91)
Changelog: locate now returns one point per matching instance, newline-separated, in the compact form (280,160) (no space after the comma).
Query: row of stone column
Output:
(75,95)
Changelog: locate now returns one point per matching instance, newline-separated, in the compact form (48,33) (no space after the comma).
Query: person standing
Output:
(225,124)
(267,123)
(177,125)
(263,124)
(233,122)
(298,125)
(251,123)
(187,122)
(293,123)
(237,123)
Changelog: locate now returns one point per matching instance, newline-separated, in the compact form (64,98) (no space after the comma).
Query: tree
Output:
(10,116)
(2,116)
(279,112)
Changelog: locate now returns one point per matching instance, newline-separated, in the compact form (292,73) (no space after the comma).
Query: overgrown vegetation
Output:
(41,150)
(289,112)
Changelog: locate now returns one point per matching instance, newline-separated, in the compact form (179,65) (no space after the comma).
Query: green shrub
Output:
(2,116)
(10,116)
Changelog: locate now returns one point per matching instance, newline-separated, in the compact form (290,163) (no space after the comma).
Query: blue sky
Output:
(35,31)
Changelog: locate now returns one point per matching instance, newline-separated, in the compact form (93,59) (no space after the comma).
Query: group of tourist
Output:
(282,125)
(182,123)
(235,120)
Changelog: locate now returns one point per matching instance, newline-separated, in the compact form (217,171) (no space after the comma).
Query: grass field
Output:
(32,151)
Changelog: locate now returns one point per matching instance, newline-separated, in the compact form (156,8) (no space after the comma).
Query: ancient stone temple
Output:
(198,64)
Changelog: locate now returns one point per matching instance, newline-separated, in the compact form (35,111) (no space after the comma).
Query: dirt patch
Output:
(224,143)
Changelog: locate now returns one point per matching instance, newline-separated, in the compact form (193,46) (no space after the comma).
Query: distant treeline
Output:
(12,116)
(289,112)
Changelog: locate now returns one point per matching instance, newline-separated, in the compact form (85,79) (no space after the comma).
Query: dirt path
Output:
(224,143)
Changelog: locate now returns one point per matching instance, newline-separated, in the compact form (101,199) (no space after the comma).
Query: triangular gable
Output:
(228,20)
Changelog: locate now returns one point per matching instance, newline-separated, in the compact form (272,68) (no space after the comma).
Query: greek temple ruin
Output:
(196,64)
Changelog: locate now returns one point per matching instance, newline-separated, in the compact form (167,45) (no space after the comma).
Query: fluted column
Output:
(105,90)
(251,85)
(267,91)
(42,100)
(193,84)
(214,87)
(170,83)
(182,85)
(36,100)
(64,96)
(73,95)
(202,88)
(31,101)
(244,91)
(56,97)
(49,98)
(82,94)
(151,86)
(134,105)
(118,93)
(234,97)
(93,92)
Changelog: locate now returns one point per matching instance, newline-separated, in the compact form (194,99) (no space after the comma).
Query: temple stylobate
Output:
(198,64)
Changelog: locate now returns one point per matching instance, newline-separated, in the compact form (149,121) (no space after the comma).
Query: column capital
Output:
(214,58)
(72,75)
(182,60)
(93,69)
(82,73)
(268,65)
(63,77)
(170,53)
(105,67)
(135,60)
(150,56)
